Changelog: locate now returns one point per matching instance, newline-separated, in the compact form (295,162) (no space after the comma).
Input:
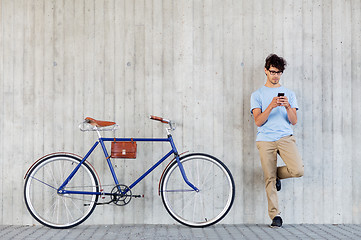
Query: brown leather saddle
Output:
(98,123)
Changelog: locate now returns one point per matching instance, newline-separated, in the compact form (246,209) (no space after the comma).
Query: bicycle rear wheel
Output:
(60,210)
(215,196)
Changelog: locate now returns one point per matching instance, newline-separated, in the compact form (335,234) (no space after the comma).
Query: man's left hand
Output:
(283,101)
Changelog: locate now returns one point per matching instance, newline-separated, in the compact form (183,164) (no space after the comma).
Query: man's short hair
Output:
(275,61)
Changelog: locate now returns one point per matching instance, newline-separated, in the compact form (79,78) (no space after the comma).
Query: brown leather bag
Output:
(124,149)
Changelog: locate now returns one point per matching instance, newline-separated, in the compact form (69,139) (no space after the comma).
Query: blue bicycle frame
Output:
(102,140)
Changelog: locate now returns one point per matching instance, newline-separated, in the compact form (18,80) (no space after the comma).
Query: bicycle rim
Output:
(60,210)
(211,203)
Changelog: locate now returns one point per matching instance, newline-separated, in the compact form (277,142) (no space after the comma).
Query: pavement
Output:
(160,232)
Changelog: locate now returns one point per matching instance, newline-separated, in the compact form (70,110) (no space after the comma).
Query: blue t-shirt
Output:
(277,124)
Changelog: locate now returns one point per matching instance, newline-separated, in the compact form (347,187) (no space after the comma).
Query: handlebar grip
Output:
(159,119)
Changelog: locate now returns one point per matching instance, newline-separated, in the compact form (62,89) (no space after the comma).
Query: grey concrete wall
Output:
(196,62)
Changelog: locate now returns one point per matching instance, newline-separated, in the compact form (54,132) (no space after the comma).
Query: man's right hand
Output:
(275,103)
(261,117)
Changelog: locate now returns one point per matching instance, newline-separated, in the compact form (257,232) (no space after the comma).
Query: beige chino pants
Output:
(287,149)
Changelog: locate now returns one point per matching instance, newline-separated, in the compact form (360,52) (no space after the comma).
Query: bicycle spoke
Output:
(188,203)
(67,210)
(44,183)
(206,177)
(203,207)
(54,207)
(194,208)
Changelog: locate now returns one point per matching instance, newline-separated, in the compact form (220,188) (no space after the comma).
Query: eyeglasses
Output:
(279,73)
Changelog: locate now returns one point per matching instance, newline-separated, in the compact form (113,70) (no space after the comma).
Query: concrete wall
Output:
(196,62)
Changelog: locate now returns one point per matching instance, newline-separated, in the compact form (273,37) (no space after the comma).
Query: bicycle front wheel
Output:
(215,196)
(56,210)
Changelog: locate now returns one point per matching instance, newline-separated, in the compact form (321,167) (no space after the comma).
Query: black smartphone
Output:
(281,94)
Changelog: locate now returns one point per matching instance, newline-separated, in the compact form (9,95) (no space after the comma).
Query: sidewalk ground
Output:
(160,232)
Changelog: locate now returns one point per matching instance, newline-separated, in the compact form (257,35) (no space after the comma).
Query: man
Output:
(274,110)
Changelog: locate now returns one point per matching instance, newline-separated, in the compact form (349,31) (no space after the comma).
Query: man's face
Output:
(273,75)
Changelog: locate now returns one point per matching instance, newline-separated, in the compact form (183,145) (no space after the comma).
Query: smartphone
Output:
(281,94)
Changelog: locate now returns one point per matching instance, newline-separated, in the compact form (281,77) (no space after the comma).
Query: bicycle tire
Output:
(216,190)
(60,210)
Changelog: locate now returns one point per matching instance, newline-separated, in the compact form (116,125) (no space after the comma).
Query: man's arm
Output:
(292,115)
(261,117)
(291,112)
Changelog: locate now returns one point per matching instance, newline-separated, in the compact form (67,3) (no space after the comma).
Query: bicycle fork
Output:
(180,165)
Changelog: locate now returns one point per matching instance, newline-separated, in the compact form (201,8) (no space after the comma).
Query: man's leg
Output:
(289,153)
(268,155)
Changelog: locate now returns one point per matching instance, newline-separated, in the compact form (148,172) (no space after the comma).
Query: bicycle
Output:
(62,189)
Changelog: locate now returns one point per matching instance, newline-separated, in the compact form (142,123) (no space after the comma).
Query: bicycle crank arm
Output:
(128,195)
(138,196)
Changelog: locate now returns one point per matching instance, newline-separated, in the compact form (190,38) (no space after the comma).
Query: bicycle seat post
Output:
(98,132)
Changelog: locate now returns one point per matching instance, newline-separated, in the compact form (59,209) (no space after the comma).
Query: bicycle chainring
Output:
(120,199)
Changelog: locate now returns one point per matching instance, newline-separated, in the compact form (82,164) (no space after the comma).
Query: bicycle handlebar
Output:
(172,124)
(159,119)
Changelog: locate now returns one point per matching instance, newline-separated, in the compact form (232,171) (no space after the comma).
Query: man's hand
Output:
(275,103)
(283,101)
